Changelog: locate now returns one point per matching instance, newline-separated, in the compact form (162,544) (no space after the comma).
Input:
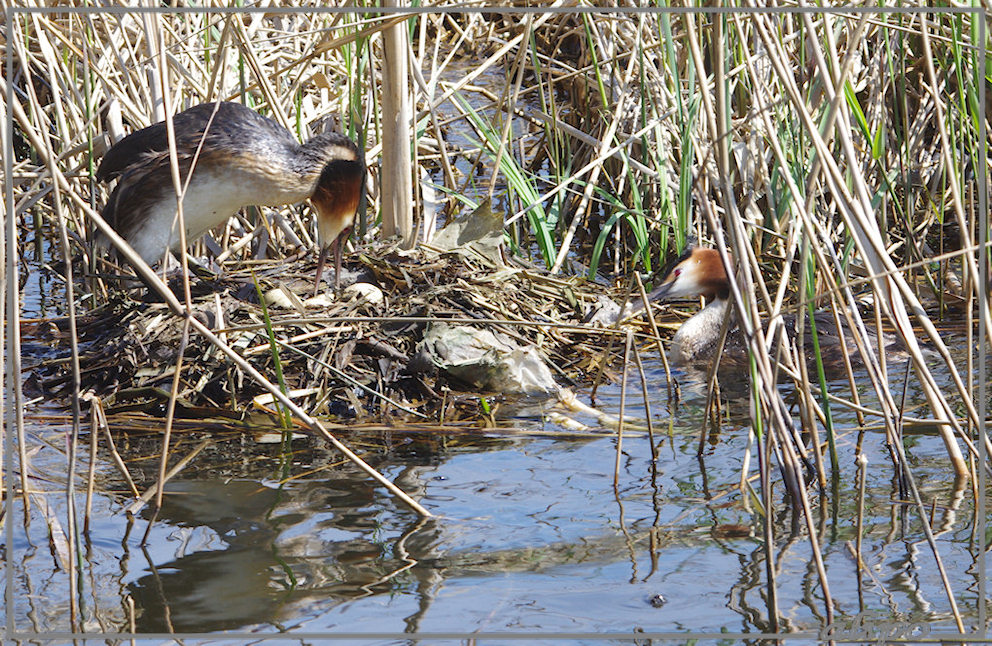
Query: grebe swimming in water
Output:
(242,159)
(700,272)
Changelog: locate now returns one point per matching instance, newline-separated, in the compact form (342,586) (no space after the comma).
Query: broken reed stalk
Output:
(507,104)
(862,474)
(170,411)
(712,409)
(647,407)
(155,491)
(655,335)
(73,439)
(100,424)
(628,343)
(427,91)
(608,350)
(924,518)
(806,393)
(396,176)
(14,423)
(766,507)
(91,471)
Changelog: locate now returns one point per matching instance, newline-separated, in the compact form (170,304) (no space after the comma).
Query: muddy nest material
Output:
(355,356)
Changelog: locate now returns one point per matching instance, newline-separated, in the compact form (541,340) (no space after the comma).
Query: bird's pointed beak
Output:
(660,292)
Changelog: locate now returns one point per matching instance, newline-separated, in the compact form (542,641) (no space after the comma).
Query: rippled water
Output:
(529,535)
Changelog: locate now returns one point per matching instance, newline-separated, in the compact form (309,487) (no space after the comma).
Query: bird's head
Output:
(340,186)
(698,272)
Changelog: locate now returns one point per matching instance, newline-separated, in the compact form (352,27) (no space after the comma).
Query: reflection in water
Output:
(272,548)
(530,534)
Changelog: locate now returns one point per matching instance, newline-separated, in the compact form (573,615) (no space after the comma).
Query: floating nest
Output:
(357,356)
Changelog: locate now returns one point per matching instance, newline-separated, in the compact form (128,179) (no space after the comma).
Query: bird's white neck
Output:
(697,338)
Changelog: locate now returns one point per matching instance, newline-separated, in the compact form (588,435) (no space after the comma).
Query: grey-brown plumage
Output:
(241,159)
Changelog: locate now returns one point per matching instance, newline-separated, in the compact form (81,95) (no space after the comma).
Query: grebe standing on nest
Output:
(241,159)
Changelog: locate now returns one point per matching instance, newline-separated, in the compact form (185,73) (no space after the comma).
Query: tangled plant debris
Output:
(449,317)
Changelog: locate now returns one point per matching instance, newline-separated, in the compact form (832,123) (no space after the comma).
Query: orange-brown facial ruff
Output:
(713,279)
(337,196)
(336,199)
(698,272)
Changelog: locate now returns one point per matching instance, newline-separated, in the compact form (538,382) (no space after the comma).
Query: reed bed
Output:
(837,159)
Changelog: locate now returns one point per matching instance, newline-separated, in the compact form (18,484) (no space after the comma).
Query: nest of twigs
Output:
(350,356)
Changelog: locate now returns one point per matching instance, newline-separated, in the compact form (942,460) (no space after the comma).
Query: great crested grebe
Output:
(700,272)
(241,159)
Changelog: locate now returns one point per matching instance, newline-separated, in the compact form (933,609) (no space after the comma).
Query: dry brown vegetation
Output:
(832,156)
